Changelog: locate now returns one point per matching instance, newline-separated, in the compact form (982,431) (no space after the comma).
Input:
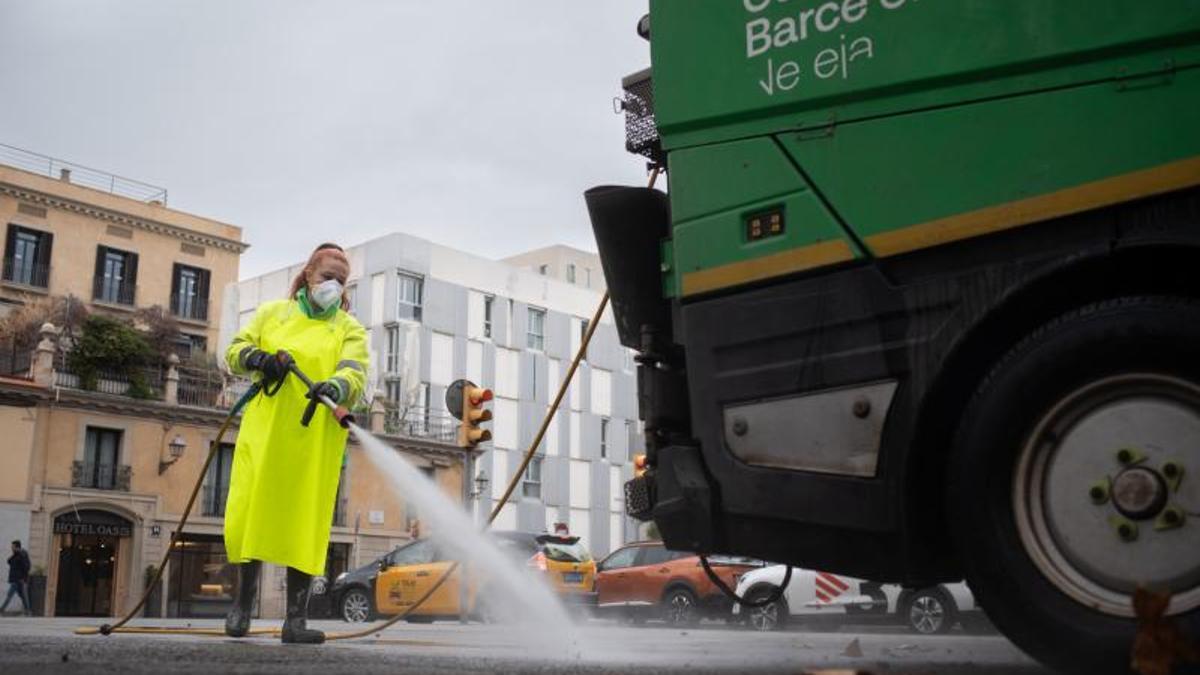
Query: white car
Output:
(812,596)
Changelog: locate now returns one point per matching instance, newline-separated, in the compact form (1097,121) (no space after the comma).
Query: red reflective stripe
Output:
(822,597)
(827,587)
(835,581)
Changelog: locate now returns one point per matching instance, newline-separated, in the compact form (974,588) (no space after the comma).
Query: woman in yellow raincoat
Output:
(285,476)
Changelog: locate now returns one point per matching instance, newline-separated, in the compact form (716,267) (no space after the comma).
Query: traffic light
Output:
(473,414)
(639,465)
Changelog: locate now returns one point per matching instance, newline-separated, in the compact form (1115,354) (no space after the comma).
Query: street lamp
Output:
(176,448)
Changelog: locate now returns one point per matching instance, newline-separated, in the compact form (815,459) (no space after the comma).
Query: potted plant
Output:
(154,599)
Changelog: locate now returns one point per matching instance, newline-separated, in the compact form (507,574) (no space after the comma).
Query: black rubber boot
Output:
(295,626)
(237,622)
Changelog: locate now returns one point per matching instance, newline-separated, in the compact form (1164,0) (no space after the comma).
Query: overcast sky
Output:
(476,124)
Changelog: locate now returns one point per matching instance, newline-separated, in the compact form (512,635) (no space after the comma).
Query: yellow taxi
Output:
(407,573)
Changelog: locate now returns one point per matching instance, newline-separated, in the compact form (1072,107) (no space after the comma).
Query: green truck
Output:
(922,299)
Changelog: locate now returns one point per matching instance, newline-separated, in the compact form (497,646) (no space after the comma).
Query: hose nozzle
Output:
(340,413)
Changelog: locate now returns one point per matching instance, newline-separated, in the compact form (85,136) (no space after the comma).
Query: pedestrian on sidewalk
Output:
(18,576)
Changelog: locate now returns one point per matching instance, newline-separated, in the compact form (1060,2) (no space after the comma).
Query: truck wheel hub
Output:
(1139,493)
(1110,453)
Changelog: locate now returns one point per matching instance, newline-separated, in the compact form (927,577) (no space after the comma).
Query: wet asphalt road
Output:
(49,646)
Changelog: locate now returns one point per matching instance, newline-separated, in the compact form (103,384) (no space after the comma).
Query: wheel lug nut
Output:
(1097,493)
(1171,517)
(1124,455)
(1126,531)
(1170,469)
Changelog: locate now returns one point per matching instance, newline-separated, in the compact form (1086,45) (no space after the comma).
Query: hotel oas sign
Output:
(92,522)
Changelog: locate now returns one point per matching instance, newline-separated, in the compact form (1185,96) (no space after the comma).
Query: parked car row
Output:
(644,581)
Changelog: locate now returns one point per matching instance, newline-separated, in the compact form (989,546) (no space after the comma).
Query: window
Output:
(393,350)
(536,338)
(352,298)
(630,442)
(603,438)
(655,555)
(216,481)
(412,514)
(583,329)
(488,300)
(531,486)
(27,256)
(200,584)
(417,553)
(395,392)
(116,276)
(189,293)
(411,295)
(571,273)
(587,275)
(100,455)
(543,269)
(197,344)
(620,559)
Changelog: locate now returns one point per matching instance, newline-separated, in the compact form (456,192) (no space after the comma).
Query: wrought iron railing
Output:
(113,292)
(26,273)
(421,423)
(214,499)
(16,358)
(81,175)
(192,309)
(101,476)
(201,387)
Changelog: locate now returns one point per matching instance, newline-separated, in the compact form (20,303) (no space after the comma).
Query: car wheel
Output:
(771,616)
(929,612)
(679,607)
(356,606)
(1065,474)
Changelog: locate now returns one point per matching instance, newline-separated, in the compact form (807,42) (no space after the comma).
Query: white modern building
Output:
(436,314)
(565,263)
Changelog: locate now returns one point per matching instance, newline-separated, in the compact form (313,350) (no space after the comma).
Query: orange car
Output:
(644,580)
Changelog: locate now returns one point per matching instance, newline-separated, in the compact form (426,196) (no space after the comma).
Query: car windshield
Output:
(564,549)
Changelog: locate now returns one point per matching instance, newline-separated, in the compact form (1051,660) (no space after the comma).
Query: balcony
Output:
(421,423)
(214,500)
(113,292)
(143,383)
(101,476)
(26,273)
(203,387)
(189,309)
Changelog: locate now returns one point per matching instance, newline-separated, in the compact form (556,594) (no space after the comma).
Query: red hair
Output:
(324,250)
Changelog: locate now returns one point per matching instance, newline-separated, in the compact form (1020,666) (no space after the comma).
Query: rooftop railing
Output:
(78,174)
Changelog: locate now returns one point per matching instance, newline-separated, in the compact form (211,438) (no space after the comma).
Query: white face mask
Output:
(327,293)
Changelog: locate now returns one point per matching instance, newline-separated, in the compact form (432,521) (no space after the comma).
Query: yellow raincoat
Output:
(285,476)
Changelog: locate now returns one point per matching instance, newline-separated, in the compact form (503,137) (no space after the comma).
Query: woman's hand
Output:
(274,367)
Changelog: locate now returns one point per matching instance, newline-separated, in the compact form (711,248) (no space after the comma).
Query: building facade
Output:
(565,263)
(98,473)
(435,314)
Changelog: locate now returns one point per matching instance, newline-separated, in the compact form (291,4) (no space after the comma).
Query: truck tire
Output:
(1061,473)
